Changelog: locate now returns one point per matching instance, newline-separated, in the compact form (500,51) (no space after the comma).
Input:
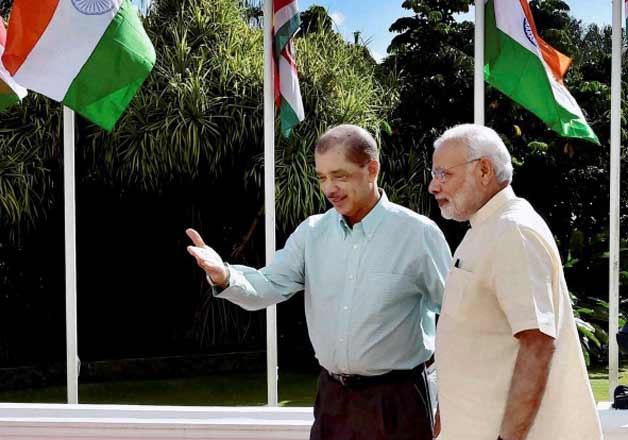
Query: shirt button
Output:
(345,308)
(341,339)
(355,246)
(350,277)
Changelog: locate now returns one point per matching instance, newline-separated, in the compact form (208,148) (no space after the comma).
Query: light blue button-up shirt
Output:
(371,291)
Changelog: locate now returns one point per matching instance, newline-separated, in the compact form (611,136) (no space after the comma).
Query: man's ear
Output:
(373,168)
(487,171)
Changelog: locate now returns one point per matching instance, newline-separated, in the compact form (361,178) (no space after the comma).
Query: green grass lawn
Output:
(599,382)
(295,389)
(243,389)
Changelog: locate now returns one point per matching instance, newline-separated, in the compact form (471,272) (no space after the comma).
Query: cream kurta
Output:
(509,278)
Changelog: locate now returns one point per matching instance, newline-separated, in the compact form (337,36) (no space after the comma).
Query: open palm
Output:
(207,258)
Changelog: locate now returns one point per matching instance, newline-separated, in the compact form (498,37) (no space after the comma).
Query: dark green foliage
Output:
(5,7)
(565,179)
(187,152)
(315,19)
(433,56)
(430,61)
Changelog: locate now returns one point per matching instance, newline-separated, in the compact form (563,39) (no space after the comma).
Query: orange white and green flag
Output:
(10,91)
(286,22)
(528,70)
(91,55)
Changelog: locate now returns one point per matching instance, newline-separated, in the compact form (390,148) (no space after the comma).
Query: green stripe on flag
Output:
(114,72)
(285,32)
(288,117)
(520,74)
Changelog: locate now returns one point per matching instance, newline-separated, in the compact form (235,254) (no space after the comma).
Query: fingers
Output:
(195,237)
(437,426)
(194,252)
(200,260)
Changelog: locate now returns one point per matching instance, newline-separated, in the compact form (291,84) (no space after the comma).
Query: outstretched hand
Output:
(207,259)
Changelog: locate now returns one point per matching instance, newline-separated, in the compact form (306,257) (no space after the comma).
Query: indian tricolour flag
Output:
(91,55)
(527,69)
(10,91)
(286,22)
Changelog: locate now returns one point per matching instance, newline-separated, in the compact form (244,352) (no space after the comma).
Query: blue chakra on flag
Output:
(527,30)
(93,7)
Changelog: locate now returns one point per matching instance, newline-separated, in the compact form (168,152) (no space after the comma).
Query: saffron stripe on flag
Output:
(10,92)
(508,18)
(515,66)
(558,62)
(71,33)
(93,57)
(31,18)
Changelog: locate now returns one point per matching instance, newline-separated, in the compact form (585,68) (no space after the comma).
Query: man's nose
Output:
(328,188)
(434,186)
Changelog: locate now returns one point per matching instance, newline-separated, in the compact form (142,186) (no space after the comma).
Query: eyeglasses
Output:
(440,174)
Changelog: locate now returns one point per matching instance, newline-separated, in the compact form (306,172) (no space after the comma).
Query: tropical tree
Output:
(187,152)
(432,54)
(316,19)
(565,179)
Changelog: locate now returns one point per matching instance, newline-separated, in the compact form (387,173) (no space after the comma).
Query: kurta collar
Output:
(492,206)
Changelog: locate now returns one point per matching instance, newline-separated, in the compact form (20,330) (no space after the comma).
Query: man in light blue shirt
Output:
(373,274)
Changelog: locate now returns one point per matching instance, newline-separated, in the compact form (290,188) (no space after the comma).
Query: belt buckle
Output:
(344,379)
(349,380)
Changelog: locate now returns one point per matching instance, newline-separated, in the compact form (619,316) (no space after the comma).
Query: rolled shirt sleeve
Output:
(254,289)
(522,278)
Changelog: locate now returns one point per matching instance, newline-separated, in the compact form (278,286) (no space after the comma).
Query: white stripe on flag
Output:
(63,49)
(562,96)
(289,87)
(284,15)
(511,19)
(8,79)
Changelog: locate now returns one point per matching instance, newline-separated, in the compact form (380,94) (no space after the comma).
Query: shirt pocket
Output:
(457,286)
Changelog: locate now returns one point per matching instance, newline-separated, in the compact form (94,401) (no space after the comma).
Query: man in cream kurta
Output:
(506,287)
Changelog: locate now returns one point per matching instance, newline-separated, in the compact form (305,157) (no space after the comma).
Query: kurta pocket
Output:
(457,282)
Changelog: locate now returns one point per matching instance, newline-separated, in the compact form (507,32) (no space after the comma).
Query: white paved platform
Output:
(132,422)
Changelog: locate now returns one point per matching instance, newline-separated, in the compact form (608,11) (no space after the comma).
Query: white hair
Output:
(481,142)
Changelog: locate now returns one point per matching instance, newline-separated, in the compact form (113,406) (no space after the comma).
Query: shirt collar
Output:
(492,206)
(371,221)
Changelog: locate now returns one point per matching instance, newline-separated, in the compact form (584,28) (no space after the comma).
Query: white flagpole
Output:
(70,255)
(478,77)
(269,198)
(613,242)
